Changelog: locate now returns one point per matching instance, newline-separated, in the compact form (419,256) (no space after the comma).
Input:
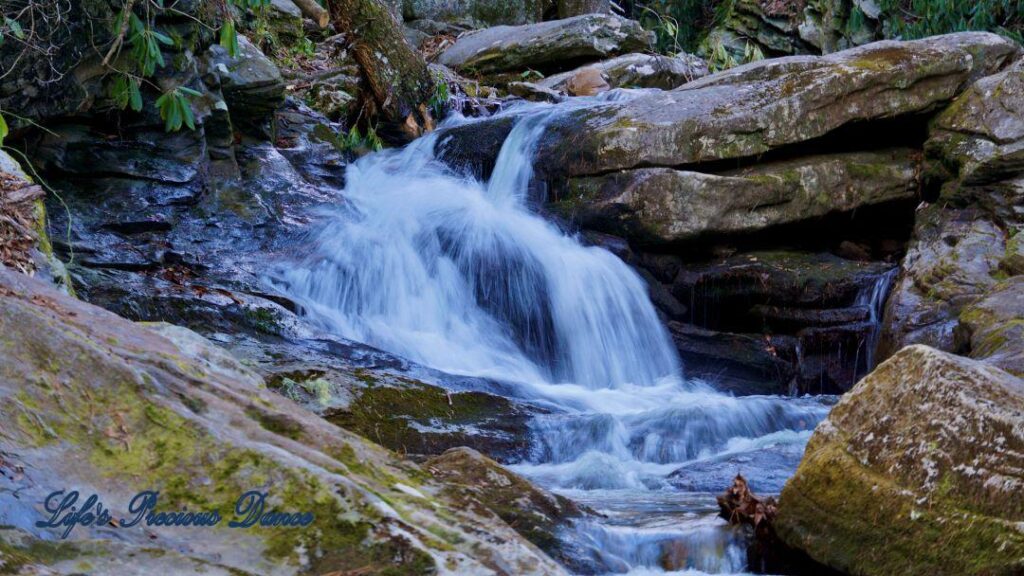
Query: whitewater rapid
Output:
(460,275)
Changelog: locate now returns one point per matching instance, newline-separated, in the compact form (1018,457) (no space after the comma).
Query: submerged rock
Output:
(663,205)
(556,44)
(107,406)
(915,471)
(755,108)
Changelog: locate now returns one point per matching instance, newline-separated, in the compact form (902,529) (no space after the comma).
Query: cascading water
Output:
(459,275)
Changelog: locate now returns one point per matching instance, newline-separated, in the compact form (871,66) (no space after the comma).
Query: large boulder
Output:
(755,108)
(917,470)
(637,71)
(97,403)
(665,205)
(555,45)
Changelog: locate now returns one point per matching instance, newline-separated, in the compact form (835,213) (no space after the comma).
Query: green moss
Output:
(386,414)
(861,522)
(14,557)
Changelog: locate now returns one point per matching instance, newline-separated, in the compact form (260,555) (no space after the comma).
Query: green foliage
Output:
(145,42)
(357,142)
(175,108)
(679,25)
(126,92)
(3,129)
(531,73)
(12,27)
(441,96)
(918,18)
(229,38)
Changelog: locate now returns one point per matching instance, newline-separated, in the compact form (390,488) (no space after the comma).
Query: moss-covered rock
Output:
(993,327)
(97,403)
(917,470)
(477,481)
(952,260)
(755,108)
(665,205)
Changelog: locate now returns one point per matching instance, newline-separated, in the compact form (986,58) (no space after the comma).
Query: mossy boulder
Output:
(556,45)
(993,327)
(752,109)
(664,205)
(917,470)
(97,403)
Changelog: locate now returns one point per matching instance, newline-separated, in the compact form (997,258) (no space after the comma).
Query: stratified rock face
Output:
(952,260)
(639,71)
(756,108)
(554,45)
(251,83)
(477,480)
(917,470)
(485,12)
(664,205)
(994,326)
(97,403)
(979,141)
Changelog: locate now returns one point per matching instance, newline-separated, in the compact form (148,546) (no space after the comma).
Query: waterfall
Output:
(460,275)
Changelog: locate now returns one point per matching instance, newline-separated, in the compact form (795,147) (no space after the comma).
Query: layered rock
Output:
(777,322)
(126,407)
(547,46)
(662,205)
(977,143)
(766,105)
(952,260)
(917,470)
(637,71)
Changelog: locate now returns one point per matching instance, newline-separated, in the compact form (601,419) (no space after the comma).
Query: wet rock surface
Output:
(181,416)
(916,470)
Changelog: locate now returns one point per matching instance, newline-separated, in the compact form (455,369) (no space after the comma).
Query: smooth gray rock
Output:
(639,71)
(556,44)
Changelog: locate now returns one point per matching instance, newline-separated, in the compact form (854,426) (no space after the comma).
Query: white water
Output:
(461,276)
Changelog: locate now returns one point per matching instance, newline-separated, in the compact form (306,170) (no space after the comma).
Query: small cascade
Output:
(460,275)
(874,300)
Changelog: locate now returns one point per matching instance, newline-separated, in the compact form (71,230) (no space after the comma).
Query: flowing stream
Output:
(460,275)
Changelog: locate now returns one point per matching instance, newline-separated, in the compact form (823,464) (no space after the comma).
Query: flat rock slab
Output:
(768,104)
(663,205)
(554,44)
